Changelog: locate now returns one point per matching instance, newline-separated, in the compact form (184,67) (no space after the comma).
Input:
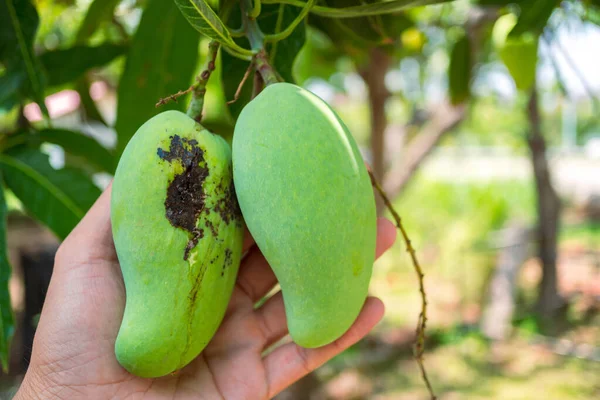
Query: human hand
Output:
(73,352)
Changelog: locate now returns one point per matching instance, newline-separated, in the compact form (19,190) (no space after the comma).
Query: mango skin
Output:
(177,290)
(306,197)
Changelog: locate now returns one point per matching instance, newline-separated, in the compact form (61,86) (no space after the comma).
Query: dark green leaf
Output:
(18,24)
(206,21)
(98,12)
(161,61)
(10,83)
(363,10)
(6,314)
(64,66)
(283,53)
(90,109)
(12,36)
(356,36)
(77,144)
(57,198)
(534,16)
(459,72)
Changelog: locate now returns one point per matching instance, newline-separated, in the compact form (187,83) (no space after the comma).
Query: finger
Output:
(92,238)
(256,278)
(248,241)
(271,319)
(291,362)
(386,236)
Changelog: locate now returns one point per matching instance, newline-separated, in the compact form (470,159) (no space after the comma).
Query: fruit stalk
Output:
(199,88)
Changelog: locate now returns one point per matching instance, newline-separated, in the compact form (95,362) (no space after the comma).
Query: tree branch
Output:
(444,120)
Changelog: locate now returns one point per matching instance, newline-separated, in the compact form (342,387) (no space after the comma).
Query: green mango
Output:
(306,197)
(178,233)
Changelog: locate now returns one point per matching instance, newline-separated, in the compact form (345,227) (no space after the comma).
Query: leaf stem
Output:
(256,9)
(422,322)
(199,88)
(276,37)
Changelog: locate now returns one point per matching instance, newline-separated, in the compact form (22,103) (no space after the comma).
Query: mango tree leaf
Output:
(379,8)
(64,66)
(161,61)
(206,21)
(57,198)
(18,24)
(98,12)
(317,58)
(283,53)
(534,16)
(459,71)
(6,314)
(78,144)
(10,83)
(356,36)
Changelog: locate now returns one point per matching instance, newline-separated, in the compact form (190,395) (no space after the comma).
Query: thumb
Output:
(86,295)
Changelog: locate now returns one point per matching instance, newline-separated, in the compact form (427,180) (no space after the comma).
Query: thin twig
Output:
(236,96)
(174,97)
(422,322)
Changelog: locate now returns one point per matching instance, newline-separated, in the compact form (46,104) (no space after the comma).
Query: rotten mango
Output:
(178,233)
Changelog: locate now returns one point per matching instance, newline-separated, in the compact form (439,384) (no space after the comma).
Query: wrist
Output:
(30,389)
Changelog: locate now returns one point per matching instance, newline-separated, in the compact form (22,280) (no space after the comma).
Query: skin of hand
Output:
(73,352)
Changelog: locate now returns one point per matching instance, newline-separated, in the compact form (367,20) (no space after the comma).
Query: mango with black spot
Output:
(178,234)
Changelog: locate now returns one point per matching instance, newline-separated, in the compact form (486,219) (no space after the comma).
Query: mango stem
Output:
(199,88)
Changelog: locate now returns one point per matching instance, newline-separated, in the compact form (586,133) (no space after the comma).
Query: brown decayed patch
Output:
(185,194)
(228,207)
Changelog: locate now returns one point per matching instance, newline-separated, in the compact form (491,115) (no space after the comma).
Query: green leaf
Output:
(57,198)
(283,53)
(384,7)
(459,71)
(78,144)
(64,66)
(356,36)
(6,314)
(10,83)
(317,58)
(206,21)
(90,109)
(14,36)
(18,24)
(534,16)
(161,61)
(98,12)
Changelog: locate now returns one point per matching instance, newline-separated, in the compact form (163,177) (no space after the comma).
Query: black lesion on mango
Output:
(185,195)
(227,206)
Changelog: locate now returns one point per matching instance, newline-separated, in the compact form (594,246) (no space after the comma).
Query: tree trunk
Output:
(374,77)
(548,208)
(512,243)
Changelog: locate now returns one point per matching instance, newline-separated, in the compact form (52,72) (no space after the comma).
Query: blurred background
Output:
(497,179)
